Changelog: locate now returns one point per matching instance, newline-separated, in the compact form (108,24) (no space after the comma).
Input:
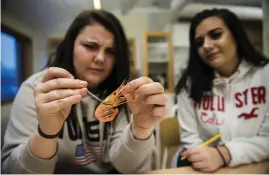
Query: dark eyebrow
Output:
(215,29)
(95,42)
(210,31)
(111,47)
(89,42)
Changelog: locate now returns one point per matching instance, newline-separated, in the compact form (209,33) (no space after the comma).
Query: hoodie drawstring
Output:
(80,122)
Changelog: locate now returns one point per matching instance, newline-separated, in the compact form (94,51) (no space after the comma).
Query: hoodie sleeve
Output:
(16,156)
(127,154)
(249,150)
(189,133)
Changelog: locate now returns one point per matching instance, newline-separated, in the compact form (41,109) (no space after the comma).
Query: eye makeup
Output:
(94,46)
(213,34)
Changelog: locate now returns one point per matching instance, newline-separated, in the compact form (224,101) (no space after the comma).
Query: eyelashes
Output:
(91,46)
(111,52)
(213,35)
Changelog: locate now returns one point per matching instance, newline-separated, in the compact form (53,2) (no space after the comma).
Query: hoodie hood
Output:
(222,85)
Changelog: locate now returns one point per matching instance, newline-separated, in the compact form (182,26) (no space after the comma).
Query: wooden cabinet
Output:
(132,48)
(158,58)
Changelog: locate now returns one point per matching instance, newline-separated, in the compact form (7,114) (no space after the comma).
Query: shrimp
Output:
(108,110)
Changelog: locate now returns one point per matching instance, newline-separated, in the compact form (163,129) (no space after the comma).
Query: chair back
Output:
(169,132)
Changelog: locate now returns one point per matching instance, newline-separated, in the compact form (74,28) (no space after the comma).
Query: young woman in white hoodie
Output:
(225,88)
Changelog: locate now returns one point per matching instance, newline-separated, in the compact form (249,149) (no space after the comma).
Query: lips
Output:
(212,55)
(96,70)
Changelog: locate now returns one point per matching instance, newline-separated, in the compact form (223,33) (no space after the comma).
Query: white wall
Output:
(135,25)
(180,31)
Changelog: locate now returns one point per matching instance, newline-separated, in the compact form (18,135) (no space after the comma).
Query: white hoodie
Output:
(239,108)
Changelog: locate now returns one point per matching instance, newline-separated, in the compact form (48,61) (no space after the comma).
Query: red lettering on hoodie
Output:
(212,103)
(241,98)
(221,104)
(205,118)
(262,94)
(257,94)
(251,114)
(206,102)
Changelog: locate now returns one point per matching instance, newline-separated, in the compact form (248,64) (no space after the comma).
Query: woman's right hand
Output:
(54,96)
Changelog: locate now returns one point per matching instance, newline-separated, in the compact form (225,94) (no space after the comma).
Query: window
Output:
(16,62)
(10,77)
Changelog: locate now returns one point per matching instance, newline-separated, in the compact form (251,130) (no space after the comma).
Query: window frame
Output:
(25,55)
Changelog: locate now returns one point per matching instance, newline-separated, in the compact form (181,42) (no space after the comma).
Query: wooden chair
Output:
(169,140)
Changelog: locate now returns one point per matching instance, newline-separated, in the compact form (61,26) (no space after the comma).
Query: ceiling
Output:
(251,3)
(45,13)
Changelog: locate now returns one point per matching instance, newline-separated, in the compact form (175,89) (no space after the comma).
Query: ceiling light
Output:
(97,4)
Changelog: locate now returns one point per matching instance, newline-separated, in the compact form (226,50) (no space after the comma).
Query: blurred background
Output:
(157,31)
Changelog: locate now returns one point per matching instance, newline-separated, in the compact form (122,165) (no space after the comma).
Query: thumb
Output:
(129,95)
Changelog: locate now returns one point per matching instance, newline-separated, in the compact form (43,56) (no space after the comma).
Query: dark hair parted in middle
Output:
(64,54)
(199,75)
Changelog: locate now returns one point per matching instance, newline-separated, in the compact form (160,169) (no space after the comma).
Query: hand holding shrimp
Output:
(107,109)
(54,96)
(147,102)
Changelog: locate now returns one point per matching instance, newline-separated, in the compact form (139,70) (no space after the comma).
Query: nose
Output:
(208,43)
(100,56)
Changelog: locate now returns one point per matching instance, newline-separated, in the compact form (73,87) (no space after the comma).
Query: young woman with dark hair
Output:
(53,128)
(225,88)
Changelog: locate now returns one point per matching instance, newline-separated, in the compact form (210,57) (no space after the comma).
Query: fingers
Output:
(199,165)
(128,96)
(151,88)
(159,110)
(195,157)
(56,106)
(156,99)
(201,159)
(60,83)
(60,94)
(132,85)
(207,170)
(142,87)
(146,90)
(56,72)
(191,152)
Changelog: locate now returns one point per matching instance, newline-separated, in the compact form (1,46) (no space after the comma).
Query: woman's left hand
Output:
(147,103)
(205,159)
